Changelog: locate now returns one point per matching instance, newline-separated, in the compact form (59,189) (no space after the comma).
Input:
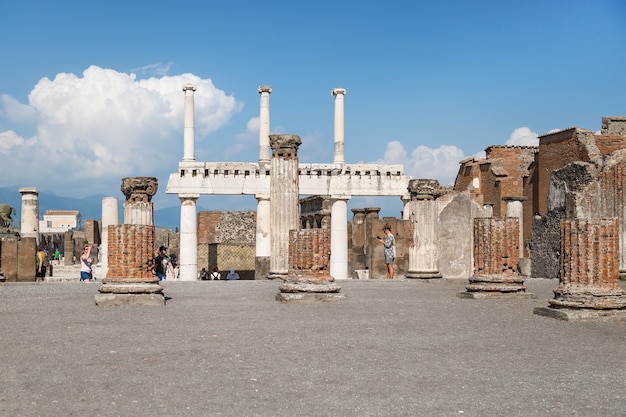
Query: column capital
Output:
(188,87)
(28,190)
(337,91)
(265,89)
(285,146)
(187,197)
(424,189)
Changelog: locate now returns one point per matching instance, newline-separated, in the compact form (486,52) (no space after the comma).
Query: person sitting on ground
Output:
(232,275)
(202,275)
(215,275)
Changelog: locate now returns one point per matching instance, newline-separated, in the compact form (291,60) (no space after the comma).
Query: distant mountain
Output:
(90,207)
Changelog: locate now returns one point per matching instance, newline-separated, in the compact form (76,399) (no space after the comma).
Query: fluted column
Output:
(284,198)
(422,212)
(110,216)
(339,94)
(339,237)
(138,208)
(188,259)
(189,127)
(30,213)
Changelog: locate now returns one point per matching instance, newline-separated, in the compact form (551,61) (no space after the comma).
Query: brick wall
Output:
(130,251)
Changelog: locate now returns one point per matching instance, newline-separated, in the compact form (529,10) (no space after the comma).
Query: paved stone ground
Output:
(392,348)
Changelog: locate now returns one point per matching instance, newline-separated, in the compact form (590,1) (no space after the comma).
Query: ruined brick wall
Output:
(227,227)
(92,230)
(17,258)
(227,256)
(130,251)
(309,249)
(610,143)
(496,246)
(545,247)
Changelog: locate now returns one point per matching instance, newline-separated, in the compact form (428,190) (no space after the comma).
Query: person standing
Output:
(162,264)
(85,264)
(390,249)
(40,259)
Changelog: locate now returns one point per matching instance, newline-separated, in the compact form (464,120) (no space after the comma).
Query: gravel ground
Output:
(392,348)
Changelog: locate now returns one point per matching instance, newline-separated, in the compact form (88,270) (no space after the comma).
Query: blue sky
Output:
(90,91)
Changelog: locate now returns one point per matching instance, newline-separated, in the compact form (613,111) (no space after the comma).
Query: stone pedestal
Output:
(496,258)
(589,272)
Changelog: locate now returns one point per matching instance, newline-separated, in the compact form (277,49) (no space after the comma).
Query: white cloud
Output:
(94,129)
(441,163)
(523,136)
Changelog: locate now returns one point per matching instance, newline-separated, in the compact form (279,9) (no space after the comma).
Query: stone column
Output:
(339,237)
(110,216)
(263,236)
(284,199)
(188,262)
(263,216)
(339,94)
(138,207)
(488,209)
(30,212)
(422,210)
(264,124)
(514,208)
(189,127)
(588,273)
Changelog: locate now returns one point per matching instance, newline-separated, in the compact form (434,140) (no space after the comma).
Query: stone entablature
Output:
(228,178)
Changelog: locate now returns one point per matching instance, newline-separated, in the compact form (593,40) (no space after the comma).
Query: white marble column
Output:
(339,237)
(110,216)
(339,94)
(188,259)
(263,236)
(422,212)
(514,208)
(264,124)
(189,127)
(30,212)
(284,200)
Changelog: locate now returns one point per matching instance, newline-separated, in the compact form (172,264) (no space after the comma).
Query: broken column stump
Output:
(496,259)
(589,271)
(129,277)
(308,278)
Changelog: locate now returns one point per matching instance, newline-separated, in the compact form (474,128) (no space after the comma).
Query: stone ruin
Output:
(130,250)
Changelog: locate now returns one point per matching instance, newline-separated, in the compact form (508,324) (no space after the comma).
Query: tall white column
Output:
(264,124)
(339,237)
(110,216)
(30,212)
(284,198)
(188,262)
(339,94)
(514,208)
(189,139)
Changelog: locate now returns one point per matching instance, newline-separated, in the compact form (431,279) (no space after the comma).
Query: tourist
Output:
(202,275)
(173,261)
(57,257)
(162,264)
(40,260)
(232,275)
(215,275)
(390,249)
(85,264)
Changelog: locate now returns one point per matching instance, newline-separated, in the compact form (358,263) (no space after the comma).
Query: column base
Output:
(495,294)
(278,275)
(577,314)
(423,274)
(115,300)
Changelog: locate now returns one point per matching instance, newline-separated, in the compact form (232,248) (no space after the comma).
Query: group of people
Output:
(164,265)
(215,275)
